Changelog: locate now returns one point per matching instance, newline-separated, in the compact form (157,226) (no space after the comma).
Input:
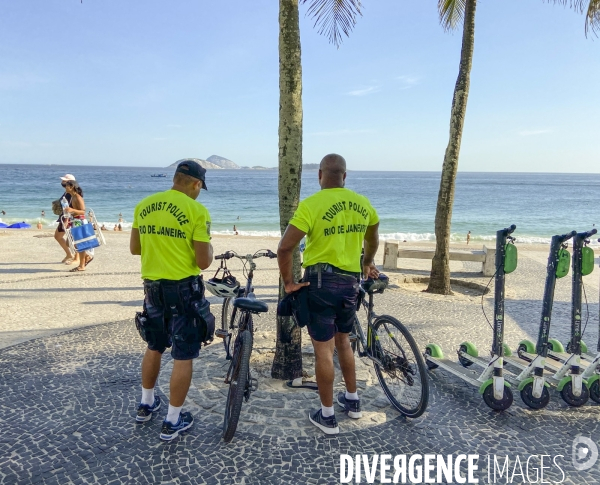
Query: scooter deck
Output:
(562,358)
(458,370)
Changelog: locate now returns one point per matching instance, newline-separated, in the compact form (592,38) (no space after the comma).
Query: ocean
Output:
(540,204)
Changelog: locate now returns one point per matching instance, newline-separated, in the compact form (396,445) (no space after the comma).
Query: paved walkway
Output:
(68,400)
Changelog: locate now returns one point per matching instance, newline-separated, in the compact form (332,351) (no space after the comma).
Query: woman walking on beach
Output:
(60,230)
(77,214)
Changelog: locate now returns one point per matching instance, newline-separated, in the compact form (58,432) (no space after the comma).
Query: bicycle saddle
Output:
(251,304)
(376,286)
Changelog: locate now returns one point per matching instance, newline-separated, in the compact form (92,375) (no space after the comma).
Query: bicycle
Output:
(237,331)
(400,369)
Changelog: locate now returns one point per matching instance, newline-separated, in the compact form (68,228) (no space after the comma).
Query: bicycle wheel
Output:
(230,323)
(237,385)
(402,375)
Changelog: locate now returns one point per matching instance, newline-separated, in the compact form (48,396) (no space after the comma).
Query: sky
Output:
(148,82)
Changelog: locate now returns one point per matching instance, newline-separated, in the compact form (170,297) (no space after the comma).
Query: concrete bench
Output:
(485,256)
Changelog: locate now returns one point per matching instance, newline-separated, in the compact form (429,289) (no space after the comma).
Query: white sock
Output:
(353,396)
(147,396)
(173,414)
(327,411)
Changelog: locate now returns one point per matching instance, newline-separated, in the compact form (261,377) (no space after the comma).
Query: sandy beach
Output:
(40,297)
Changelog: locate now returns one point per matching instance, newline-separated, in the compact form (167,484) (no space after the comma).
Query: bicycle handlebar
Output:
(258,254)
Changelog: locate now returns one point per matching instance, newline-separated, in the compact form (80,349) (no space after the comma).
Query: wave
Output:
(390,236)
(52,223)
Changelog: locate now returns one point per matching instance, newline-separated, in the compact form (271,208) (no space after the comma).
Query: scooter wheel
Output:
(464,362)
(521,352)
(535,402)
(571,399)
(430,365)
(595,391)
(495,404)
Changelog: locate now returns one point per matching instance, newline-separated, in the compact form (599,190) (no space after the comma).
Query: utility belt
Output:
(168,293)
(173,297)
(321,268)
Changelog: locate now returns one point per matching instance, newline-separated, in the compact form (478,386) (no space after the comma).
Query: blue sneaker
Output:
(171,431)
(352,406)
(327,425)
(144,411)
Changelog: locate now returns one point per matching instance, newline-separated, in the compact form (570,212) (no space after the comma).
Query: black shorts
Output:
(333,306)
(179,332)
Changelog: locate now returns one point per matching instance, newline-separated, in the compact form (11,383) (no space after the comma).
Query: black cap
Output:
(193,169)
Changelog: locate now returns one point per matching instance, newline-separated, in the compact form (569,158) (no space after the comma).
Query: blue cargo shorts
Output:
(165,329)
(333,306)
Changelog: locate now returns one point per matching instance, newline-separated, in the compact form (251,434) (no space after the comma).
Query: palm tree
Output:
(333,15)
(452,13)
(287,363)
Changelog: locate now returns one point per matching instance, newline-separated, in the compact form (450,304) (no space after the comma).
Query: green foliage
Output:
(334,17)
(452,13)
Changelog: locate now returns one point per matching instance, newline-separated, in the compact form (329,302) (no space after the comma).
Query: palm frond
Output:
(452,13)
(592,13)
(592,18)
(334,17)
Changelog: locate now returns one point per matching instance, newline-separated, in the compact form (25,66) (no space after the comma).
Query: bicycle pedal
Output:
(353,337)
(221,333)
(253,384)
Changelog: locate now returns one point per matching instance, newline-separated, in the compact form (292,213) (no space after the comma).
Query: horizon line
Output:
(275,168)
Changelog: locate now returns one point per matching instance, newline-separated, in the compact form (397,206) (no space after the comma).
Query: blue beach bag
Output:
(84,237)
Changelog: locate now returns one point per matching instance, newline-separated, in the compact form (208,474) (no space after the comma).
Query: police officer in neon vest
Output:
(337,222)
(171,231)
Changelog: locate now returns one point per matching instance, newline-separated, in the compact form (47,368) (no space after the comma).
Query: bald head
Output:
(333,164)
(332,171)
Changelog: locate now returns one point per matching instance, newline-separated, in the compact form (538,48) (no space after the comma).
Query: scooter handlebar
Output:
(585,235)
(566,237)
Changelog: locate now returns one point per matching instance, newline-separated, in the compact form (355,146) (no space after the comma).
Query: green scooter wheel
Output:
(498,405)
(583,347)
(535,402)
(430,365)
(595,391)
(469,349)
(571,399)
(525,346)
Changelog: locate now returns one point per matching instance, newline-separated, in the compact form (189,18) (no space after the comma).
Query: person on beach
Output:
(333,218)
(76,211)
(43,213)
(235,231)
(59,233)
(468,237)
(171,231)
(3,212)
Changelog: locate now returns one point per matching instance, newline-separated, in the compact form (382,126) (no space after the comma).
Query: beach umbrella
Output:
(19,225)
(2,225)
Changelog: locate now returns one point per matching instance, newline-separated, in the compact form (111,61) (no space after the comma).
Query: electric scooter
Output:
(491,383)
(568,370)
(594,380)
(533,381)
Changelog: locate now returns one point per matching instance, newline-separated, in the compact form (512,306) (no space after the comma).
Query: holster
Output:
(200,309)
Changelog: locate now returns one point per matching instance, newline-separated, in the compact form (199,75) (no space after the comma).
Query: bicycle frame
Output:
(365,341)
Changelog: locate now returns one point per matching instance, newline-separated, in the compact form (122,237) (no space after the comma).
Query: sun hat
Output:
(68,177)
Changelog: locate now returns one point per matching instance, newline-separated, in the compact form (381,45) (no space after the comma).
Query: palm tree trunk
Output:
(287,363)
(439,281)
